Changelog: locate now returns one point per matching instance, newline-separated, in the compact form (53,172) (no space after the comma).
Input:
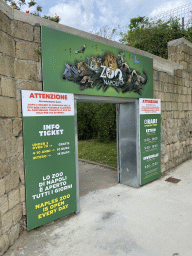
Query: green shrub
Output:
(96,121)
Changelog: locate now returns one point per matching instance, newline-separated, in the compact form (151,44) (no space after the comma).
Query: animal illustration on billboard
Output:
(103,72)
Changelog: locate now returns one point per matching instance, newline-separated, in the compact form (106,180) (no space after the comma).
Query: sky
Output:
(95,15)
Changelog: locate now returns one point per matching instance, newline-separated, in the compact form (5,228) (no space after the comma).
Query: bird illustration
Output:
(81,50)
(136,60)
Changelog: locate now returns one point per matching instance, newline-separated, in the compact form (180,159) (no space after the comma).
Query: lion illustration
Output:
(110,61)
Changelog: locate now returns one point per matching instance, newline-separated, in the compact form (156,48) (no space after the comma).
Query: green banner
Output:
(73,64)
(150,140)
(49,152)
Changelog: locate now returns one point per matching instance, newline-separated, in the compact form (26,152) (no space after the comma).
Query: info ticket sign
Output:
(49,152)
(150,139)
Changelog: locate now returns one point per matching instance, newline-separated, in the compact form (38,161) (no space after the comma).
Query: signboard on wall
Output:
(150,139)
(49,152)
(73,64)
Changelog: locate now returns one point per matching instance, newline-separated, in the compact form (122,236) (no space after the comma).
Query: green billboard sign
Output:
(49,152)
(150,139)
(73,64)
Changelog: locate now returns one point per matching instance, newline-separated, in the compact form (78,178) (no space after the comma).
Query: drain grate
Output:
(172,180)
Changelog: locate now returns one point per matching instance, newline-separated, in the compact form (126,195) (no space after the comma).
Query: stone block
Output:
(17,213)
(4,206)
(13,198)
(24,208)
(173,58)
(186,106)
(25,70)
(180,106)
(155,75)
(20,146)
(181,57)
(180,81)
(163,168)
(19,108)
(11,146)
(156,85)
(39,72)
(168,97)
(5,23)
(184,64)
(27,85)
(183,48)
(4,167)
(162,96)
(176,114)
(165,159)
(163,77)
(2,187)
(11,181)
(170,88)
(8,107)
(163,105)
(179,72)
(184,90)
(187,83)
(22,30)
(14,163)
(175,80)
(170,79)
(27,51)
(166,87)
(17,127)
(179,89)
(4,244)
(6,66)
(22,193)
(8,87)
(13,233)
(174,106)
(168,106)
(22,176)
(190,67)
(7,221)
(181,114)
(161,86)
(3,152)
(37,34)
(184,98)
(7,44)
(171,50)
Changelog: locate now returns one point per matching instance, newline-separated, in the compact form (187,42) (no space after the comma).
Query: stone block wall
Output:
(20,69)
(176,124)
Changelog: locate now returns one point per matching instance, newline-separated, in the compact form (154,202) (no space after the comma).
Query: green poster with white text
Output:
(150,139)
(49,152)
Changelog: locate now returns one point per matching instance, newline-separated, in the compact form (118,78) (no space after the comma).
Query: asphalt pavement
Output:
(115,219)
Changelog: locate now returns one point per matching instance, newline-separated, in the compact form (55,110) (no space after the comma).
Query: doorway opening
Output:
(97,146)
(124,137)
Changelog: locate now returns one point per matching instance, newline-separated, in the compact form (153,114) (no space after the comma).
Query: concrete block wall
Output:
(20,68)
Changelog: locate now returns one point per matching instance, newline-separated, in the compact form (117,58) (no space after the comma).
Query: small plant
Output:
(38,51)
(17,5)
(55,19)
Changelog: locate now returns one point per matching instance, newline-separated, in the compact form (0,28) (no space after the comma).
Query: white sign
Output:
(38,103)
(149,106)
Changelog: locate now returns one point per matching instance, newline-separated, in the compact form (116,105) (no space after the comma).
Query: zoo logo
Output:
(110,73)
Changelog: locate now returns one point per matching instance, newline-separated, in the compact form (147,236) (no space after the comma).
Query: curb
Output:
(95,163)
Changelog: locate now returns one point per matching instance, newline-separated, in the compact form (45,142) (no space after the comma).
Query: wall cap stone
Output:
(179,42)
